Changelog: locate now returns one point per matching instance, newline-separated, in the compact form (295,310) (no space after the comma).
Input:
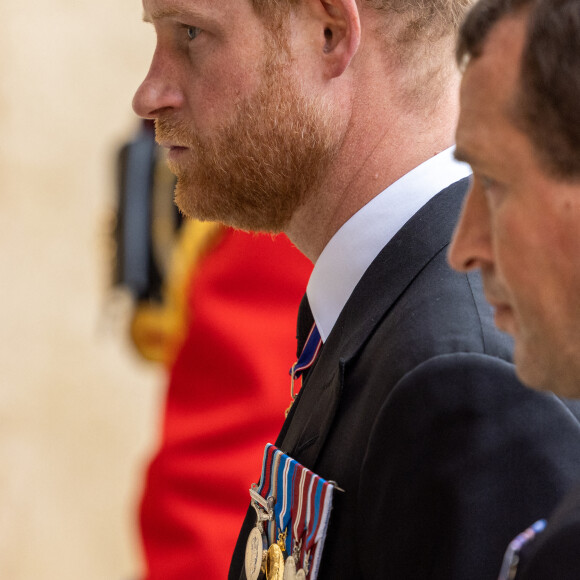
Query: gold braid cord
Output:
(158,330)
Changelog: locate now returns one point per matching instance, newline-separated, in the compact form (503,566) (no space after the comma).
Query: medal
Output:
(290,568)
(293,507)
(290,572)
(257,544)
(256,547)
(274,563)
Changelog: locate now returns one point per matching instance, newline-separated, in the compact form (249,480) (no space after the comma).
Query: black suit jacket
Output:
(555,553)
(413,410)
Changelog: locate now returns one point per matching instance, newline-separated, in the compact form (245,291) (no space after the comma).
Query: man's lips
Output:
(170,146)
(503,316)
(496,302)
(175,151)
(503,313)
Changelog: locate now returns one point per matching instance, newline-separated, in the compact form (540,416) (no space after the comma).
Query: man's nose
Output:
(471,244)
(158,92)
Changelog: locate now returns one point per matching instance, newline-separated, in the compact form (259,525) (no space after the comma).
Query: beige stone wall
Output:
(78,409)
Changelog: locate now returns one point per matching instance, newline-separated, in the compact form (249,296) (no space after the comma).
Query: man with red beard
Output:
(333,121)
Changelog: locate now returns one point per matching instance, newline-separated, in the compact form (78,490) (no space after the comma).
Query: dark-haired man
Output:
(333,121)
(519,128)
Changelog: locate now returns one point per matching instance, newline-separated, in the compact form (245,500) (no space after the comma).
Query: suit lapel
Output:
(399,263)
(427,233)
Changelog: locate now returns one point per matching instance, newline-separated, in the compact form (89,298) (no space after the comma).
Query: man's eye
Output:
(193,32)
(494,191)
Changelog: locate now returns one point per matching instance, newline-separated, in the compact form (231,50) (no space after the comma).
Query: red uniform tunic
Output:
(228,389)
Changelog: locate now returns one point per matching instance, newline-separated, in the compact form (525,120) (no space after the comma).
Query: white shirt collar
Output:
(359,241)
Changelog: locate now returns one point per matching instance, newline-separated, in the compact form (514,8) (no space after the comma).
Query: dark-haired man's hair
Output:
(547,106)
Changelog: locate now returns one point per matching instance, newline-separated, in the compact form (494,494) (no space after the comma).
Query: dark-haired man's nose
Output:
(471,245)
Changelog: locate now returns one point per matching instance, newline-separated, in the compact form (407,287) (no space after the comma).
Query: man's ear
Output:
(340,29)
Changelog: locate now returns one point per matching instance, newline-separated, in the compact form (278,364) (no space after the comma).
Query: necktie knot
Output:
(303,325)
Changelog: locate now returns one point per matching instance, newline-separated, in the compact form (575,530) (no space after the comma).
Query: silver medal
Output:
(290,568)
(257,544)
(256,550)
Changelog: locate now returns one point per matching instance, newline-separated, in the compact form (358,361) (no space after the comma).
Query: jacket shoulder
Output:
(460,459)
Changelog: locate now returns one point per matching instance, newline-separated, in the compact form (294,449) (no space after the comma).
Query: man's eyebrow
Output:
(163,13)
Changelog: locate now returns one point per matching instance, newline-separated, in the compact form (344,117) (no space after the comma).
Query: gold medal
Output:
(275,563)
(255,554)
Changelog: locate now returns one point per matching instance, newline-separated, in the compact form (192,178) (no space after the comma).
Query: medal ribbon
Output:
(305,361)
(314,523)
(266,471)
(326,504)
(263,488)
(274,493)
(322,525)
(302,505)
(294,475)
(309,353)
(319,504)
(299,504)
(512,554)
(310,490)
(285,482)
